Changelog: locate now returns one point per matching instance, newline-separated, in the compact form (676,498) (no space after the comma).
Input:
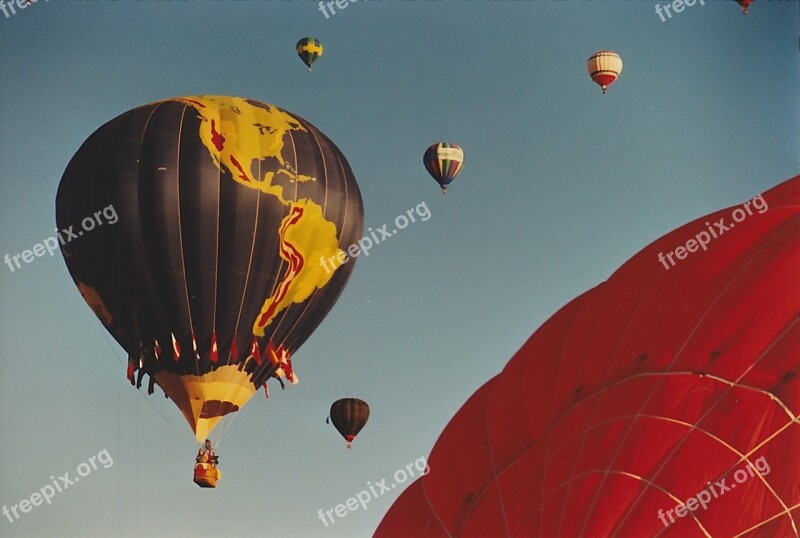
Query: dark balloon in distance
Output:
(309,49)
(349,415)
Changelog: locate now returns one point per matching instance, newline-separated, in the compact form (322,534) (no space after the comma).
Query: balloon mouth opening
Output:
(217,408)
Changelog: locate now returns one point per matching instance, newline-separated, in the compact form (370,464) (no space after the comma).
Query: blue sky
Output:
(560,186)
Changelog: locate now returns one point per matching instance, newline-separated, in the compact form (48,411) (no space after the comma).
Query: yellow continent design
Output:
(238,133)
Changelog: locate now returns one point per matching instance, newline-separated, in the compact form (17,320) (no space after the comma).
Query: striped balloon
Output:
(604,67)
(443,161)
(349,415)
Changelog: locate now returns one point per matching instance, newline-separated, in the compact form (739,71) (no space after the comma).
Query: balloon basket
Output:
(206,477)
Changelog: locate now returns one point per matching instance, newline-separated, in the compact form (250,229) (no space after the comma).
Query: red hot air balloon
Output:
(641,394)
(745,5)
(211,279)
(604,67)
(349,415)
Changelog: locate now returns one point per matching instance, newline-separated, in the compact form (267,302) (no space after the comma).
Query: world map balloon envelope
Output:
(211,278)
(664,382)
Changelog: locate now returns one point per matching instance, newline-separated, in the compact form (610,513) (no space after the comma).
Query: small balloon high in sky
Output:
(443,161)
(604,67)
(309,49)
(349,416)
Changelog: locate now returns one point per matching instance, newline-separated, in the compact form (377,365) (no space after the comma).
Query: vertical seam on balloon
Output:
(433,510)
(153,293)
(249,268)
(263,368)
(266,365)
(503,517)
(611,366)
(479,493)
(180,235)
(321,153)
(310,300)
(276,280)
(282,315)
(216,267)
(548,432)
(642,298)
(596,300)
(247,275)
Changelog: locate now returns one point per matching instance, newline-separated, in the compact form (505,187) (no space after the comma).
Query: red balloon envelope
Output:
(662,402)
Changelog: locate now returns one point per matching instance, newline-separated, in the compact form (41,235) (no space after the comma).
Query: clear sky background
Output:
(560,186)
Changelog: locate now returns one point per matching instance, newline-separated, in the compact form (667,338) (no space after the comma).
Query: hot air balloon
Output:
(745,5)
(637,397)
(309,49)
(604,67)
(443,161)
(349,415)
(210,279)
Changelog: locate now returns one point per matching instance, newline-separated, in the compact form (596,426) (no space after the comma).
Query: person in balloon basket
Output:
(207,454)
(206,459)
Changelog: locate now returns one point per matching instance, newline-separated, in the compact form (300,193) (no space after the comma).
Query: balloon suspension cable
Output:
(180,431)
(226,426)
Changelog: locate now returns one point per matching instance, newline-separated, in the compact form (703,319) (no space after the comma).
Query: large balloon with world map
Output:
(211,277)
